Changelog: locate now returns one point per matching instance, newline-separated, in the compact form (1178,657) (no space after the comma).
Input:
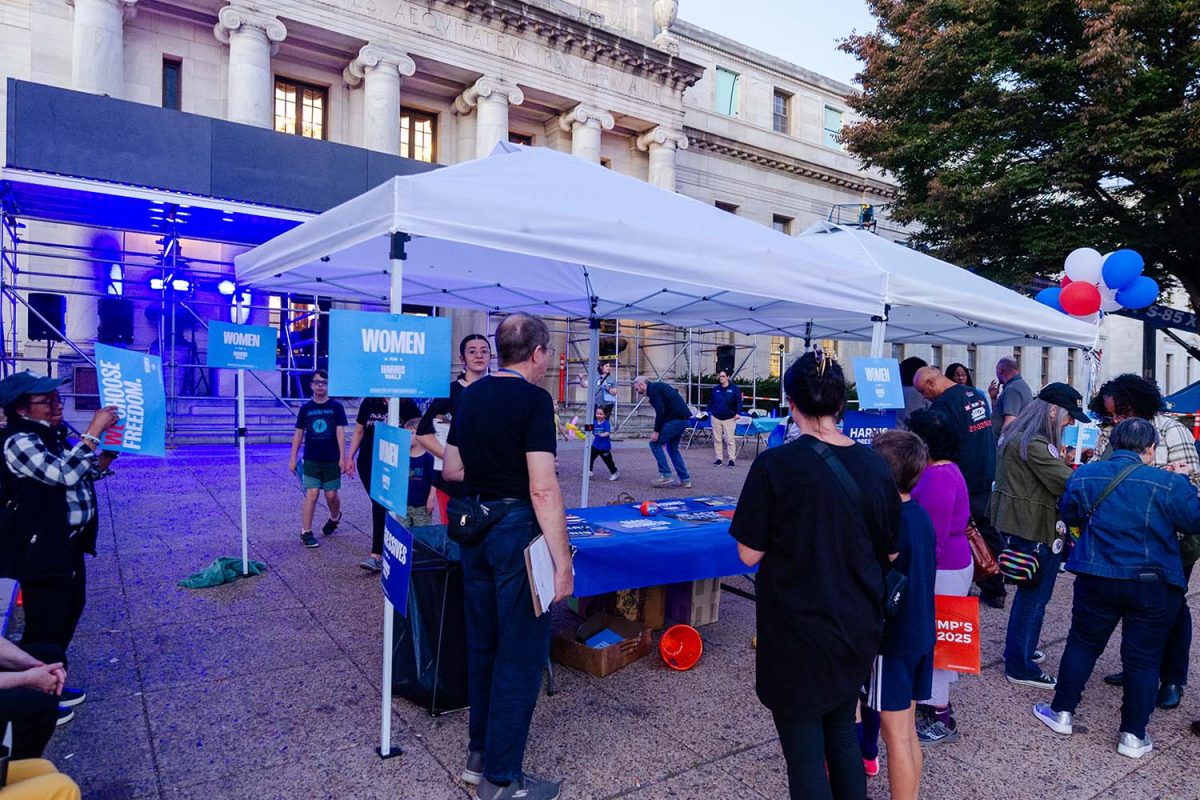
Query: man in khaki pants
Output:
(724,405)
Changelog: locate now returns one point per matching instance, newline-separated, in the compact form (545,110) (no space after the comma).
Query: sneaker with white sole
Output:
(616,476)
(717,462)
(371,564)
(65,715)
(473,770)
(71,697)
(526,788)
(1057,721)
(1043,681)
(330,526)
(687,484)
(662,480)
(308,540)
(731,463)
(1132,746)
(1038,657)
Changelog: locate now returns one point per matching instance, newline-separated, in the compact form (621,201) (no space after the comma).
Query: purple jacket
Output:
(942,492)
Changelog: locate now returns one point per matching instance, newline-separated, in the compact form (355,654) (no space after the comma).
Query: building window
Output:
(833,128)
(1045,365)
(300,108)
(935,356)
(972,360)
(418,135)
(898,352)
(727,92)
(1016,355)
(782,224)
(172,83)
(1071,365)
(1167,373)
(730,207)
(781,112)
(520,138)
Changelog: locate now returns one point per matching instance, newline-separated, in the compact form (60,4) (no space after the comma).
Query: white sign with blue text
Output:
(397,563)
(878,382)
(241,346)
(389,468)
(377,354)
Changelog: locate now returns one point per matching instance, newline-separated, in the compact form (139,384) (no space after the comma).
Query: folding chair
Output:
(701,426)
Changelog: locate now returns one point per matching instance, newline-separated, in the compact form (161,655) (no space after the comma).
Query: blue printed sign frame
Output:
(241,346)
(861,426)
(133,382)
(389,468)
(878,383)
(377,354)
(397,563)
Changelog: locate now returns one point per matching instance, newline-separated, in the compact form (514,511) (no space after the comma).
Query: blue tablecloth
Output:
(618,548)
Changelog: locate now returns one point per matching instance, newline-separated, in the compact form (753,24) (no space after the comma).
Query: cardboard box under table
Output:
(570,646)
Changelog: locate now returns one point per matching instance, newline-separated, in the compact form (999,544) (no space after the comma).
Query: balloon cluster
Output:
(1101,283)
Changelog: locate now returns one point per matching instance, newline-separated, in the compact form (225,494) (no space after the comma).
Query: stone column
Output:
(661,143)
(490,97)
(252,38)
(98,45)
(381,71)
(584,125)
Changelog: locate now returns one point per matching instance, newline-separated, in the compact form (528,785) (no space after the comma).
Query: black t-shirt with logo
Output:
(966,414)
(375,410)
(320,422)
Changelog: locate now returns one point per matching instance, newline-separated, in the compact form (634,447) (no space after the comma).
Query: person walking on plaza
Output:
(1031,476)
(913,399)
(1128,570)
(321,428)
(671,416)
(820,580)
(724,405)
(507,461)
(966,415)
(942,492)
(903,672)
(602,445)
(50,484)
(1010,394)
(604,386)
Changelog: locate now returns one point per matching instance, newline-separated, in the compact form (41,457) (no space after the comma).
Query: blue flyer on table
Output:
(241,346)
(377,354)
(133,382)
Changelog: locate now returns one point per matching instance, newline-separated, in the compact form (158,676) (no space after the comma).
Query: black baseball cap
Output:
(23,383)
(1065,396)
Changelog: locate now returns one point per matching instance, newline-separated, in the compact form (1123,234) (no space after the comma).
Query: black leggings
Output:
(378,512)
(606,455)
(810,744)
(53,608)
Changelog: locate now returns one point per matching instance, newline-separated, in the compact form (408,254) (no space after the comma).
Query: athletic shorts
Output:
(326,475)
(897,681)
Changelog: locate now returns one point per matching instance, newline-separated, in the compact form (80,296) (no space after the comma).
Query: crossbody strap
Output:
(849,485)
(1120,476)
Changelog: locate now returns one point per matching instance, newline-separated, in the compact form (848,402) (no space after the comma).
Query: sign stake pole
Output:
(241,437)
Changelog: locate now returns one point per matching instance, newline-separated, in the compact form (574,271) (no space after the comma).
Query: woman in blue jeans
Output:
(1129,571)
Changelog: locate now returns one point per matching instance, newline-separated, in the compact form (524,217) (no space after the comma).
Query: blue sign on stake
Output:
(377,354)
(133,382)
(397,563)
(878,382)
(389,468)
(241,346)
(861,426)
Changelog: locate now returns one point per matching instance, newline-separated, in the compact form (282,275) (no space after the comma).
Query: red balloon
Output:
(1080,299)
(1066,282)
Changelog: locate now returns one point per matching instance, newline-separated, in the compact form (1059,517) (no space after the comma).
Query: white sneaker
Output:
(1057,721)
(616,476)
(1132,746)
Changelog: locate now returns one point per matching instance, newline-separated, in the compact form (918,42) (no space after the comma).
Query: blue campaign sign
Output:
(241,346)
(376,354)
(133,382)
(878,381)
(861,426)
(389,468)
(397,563)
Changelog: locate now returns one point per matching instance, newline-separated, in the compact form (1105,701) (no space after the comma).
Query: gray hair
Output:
(1134,434)
(640,379)
(1033,421)
(1008,364)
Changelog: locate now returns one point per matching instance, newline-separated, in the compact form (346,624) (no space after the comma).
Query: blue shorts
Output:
(897,681)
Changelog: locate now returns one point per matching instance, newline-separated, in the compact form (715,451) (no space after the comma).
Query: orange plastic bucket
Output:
(681,647)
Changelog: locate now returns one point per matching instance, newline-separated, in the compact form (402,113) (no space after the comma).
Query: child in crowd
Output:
(903,672)
(420,481)
(602,444)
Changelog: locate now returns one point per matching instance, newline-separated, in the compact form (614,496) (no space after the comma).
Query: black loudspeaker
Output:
(51,307)
(116,320)
(725,358)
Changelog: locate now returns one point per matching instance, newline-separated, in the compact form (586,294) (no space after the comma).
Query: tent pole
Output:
(878,332)
(590,405)
(395,306)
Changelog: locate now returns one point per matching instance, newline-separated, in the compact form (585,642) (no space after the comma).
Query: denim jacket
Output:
(1132,533)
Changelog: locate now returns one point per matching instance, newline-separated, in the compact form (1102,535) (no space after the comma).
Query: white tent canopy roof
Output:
(532,229)
(933,302)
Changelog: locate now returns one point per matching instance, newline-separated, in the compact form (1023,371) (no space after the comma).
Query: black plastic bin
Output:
(429,655)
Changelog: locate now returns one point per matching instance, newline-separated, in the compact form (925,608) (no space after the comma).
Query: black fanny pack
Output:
(470,519)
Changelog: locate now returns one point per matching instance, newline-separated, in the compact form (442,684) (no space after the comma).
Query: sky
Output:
(805,32)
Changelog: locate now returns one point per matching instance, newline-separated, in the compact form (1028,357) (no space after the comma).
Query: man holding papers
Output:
(510,494)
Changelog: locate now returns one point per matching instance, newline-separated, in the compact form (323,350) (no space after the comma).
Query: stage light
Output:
(156,284)
(181,285)
(226,287)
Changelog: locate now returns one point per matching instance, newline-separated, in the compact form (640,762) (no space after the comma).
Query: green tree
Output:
(1022,129)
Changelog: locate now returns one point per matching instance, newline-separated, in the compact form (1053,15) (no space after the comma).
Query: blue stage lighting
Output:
(226,287)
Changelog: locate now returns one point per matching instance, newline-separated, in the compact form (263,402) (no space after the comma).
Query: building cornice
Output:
(730,148)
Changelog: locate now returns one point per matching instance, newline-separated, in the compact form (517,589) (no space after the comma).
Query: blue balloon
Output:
(1121,269)
(1049,297)
(1139,294)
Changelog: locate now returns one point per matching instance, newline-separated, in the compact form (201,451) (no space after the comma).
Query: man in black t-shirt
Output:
(321,426)
(966,415)
(508,458)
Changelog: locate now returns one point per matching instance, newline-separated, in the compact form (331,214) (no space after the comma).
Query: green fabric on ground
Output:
(221,570)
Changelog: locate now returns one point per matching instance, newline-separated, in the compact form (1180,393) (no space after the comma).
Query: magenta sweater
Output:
(942,492)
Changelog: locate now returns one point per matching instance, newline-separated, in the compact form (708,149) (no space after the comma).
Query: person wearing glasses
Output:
(321,427)
(49,484)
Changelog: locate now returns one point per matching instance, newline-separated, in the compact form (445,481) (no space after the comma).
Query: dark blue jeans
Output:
(1025,618)
(669,438)
(1147,611)
(507,645)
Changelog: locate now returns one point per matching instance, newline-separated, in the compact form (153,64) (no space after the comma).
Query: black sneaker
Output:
(717,462)
(65,715)
(330,525)
(71,697)
(309,540)
(995,600)
(1043,681)
(1038,657)
(731,464)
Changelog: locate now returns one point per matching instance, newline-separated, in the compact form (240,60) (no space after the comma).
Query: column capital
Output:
(582,115)
(662,136)
(488,86)
(372,56)
(128,7)
(234,18)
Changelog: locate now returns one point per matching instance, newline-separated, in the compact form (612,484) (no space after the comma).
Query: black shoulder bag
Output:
(895,581)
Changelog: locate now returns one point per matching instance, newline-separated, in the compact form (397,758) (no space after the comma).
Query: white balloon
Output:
(1108,299)
(1085,264)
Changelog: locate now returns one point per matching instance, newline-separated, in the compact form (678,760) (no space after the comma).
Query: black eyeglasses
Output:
(320,383)
(51,400)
